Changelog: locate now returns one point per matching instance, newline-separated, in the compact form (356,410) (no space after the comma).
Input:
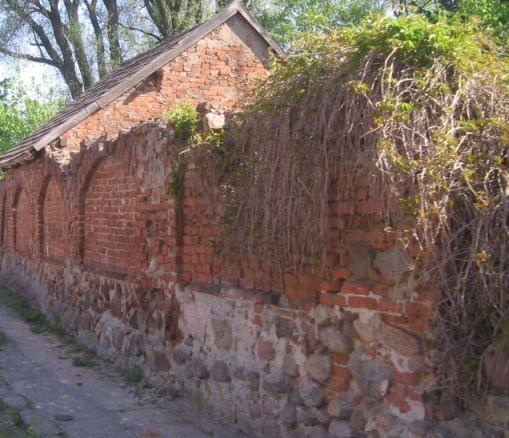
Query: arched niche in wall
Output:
(107,212)
(52,222)
(22,222)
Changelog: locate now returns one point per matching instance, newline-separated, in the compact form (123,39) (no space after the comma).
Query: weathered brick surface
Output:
(4,221)
(22,223)
(53,224)
(114,270)
(217,69)
(93,236)
(109,218)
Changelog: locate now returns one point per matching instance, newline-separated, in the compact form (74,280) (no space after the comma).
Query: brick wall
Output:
(109,217)
(23,223)
(220,68)
(53,224)
(5,221)
(220,329)
(349,279)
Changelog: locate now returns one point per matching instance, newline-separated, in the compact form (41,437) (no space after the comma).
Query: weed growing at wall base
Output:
(84,362)
(3,339)
(12,426)
(40,324)
(132,375)
(15,416)
(35,318)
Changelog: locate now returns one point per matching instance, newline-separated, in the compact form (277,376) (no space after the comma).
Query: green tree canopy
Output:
(22,113)
(285,19)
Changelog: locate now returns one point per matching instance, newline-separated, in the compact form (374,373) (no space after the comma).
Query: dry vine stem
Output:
(430,134)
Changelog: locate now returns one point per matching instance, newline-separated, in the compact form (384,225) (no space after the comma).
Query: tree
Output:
(170,17)
(21,113)
(493,13)
(56,31)
(286,18)
(85,39)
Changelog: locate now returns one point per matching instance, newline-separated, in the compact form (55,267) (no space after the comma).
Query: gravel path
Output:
(58,399)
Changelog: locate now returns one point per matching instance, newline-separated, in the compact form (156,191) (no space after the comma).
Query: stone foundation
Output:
(243,354)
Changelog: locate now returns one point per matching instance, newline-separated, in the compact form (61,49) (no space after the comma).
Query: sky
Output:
(32,74)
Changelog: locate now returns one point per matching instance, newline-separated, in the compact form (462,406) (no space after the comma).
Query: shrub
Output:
(15,416)
(185,122)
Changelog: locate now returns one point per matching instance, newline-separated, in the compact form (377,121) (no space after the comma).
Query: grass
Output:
(3,339)
(11,425)
(40,324)
(35,318)
(78,348)
(132,375)
(15,416)
(85,362)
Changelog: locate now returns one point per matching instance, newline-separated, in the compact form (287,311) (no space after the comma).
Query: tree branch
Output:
(38,30)
(28,57)
(99,39)
(145,32)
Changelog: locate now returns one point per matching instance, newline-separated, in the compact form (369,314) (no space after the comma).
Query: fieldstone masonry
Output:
(89,233)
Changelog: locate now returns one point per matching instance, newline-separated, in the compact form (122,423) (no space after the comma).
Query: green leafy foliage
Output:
(132,375)
(492,13)
(22,113)
(184,120)
(85,362)
(287,19)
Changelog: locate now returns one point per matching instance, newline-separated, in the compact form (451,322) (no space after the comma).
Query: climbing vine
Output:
(419,109)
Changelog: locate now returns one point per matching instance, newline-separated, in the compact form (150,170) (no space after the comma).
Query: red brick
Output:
(341,273)
(386,305)
(362,302)
(353,287)
(419,310)
(333,299)
(337,385)
(340,359)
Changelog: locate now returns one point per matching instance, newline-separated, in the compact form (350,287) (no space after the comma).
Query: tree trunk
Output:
(73,32)
(113,33)
(99,38)
(68,69)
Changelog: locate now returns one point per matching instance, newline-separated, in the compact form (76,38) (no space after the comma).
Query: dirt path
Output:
(38,380)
